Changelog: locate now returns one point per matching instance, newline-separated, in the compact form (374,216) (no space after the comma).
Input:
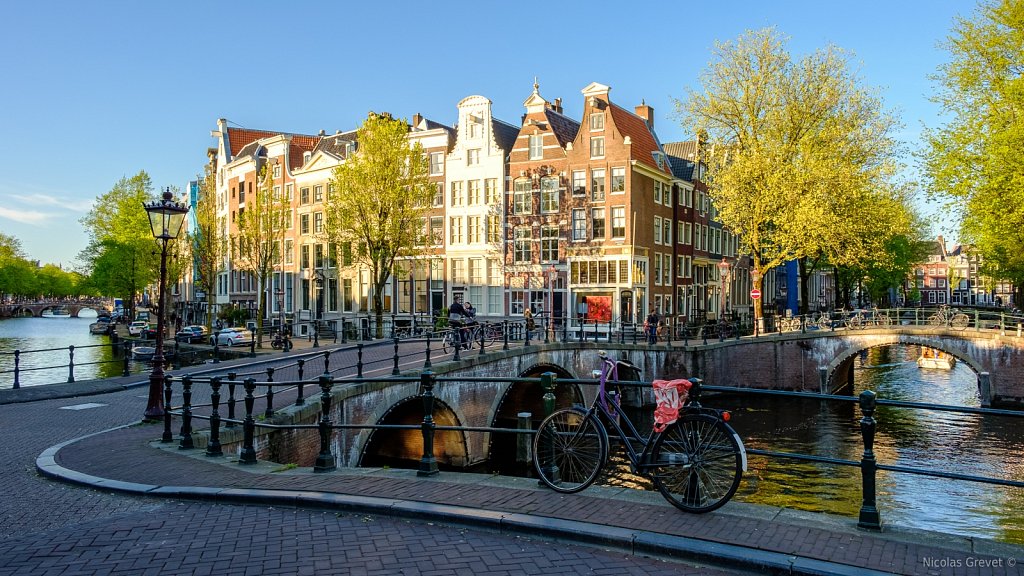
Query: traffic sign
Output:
(755,293)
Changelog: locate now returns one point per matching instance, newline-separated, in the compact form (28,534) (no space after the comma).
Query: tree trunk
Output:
(804,274)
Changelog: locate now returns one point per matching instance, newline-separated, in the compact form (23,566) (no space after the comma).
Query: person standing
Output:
(456,320)
(652,327)
(530,324)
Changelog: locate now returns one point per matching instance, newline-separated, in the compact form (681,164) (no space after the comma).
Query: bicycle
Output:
(789,324)
(824,322)
(946,316)
(879,318)
(489,332)
(695,461)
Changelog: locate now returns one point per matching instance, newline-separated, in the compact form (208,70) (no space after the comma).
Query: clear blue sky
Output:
(92,92)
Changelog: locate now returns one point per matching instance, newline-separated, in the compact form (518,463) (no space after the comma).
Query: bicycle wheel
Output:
(884,320)
(448,343)
(824,323)
(935,320)
(569,450)
(698,463)
(490,334)
(959,321)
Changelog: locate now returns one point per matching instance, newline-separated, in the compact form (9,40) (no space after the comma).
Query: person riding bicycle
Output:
(457,320)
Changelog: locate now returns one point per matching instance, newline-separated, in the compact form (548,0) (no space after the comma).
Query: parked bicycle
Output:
(696,461)
(824,322)
(946,316)
(472,334)
(789,324)
(879,318)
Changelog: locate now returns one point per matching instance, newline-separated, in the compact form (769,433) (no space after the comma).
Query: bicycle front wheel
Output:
(697,463)
(935,320)
(448,343)
(569,450)
(959,321)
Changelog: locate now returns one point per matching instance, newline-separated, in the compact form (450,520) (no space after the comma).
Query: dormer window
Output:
(659,159)
(474,128)
(597,121)
(306,156)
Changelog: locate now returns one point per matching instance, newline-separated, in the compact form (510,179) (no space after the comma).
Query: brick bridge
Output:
(821,361)
(37,308)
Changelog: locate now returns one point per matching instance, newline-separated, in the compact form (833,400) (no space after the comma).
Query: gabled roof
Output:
(299,146)
(239,138)
(643,139)
(505,134)
(683,157)
(336,145)
(563,127)
(245,142)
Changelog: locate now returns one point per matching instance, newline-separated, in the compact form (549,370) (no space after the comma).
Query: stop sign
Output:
(755,293)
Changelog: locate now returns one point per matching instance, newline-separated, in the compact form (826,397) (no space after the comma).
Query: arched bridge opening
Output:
(403,448)
(840,372)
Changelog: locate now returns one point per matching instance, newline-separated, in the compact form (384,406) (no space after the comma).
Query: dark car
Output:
(193,333)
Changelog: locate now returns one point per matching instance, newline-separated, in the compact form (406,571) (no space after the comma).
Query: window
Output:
(597,147)
(304,256)
(438,194)
(475,230)
(304,224)
(346,254)
(459,271)
(436,163)
(579,182)
(303,195)
(597,184)
(680,264)
(657,269)
(667,262)
(597,121)
(521,197)
(288,192)
(458,198)
(536,146)
(618,180)
(657,229)
(657,192)
(491,191)
(689,233)
(517,302)
(289,251)
(666,232)
(549,194)
(493,229)
(618,221)
(318,222)
(579,224)
(455,225)
(318,193)
(474,128)
(277,170)
(473,157)
(476,271)
(474,192)
(436,230)
(696,237)
(332,255)
(549,243)
(521,245)
(597,222)
(318,255)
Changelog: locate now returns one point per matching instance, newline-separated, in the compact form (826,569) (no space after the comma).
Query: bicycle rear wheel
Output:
(959,321)
(698,463)
(448,343)
(569,450)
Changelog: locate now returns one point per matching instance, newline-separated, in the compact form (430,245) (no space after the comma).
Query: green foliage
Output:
(233,314)
(380,196)
(974,161)
(207,240)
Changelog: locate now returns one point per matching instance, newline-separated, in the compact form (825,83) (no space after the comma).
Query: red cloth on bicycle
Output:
(670,396)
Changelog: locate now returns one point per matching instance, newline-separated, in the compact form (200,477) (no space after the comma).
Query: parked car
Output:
(232,337)
(193,333)
(136,328)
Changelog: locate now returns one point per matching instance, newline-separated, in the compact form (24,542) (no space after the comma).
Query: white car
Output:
(136,328)
(232,337)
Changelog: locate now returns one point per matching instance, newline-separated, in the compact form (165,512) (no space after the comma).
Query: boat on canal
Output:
(935,359)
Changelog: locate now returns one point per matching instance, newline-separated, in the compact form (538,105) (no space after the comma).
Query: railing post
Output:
(71,363)
(127,354)
(668,325)
(457,338)
(300,399)
(803,324)
(248,454)
(426,361)
(394,370)
(252,347)
(325,461)
(547,329)
(186,414)
(269,411)
(547,382)
(504,334)
(316,334)
(359,360)
(428,464)
(231,398)
(869,517)
(392,325)
(527,341)
(17,362)
(327,362)
(168,436)
(480,332)
(216,346)
(213,447)
(565,329)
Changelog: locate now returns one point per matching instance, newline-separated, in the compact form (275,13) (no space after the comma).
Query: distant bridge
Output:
(73,307)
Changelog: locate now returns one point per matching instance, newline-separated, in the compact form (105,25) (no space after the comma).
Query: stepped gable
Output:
(644,142)
(683,157)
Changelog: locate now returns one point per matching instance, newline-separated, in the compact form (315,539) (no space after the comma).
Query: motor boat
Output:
(934,359)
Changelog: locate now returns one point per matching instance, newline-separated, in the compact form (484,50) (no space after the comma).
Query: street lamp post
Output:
(318,281)
(755,279)
(280,307)
(552,274)
(723,277)
(165,219)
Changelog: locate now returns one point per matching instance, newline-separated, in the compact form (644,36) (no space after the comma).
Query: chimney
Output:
(416,119)
(647,113)
(558,105)
(322,133)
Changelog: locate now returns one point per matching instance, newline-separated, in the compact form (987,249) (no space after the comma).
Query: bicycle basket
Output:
(670,396)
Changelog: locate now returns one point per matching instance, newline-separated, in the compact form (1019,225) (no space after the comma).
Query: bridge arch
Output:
(387,447)
(840,370)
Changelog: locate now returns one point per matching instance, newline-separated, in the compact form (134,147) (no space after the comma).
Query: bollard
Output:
(985,389)
(527,341)
(231,398)
(127,355)
(504,334)
(186,414)
(269,411)
(213,447)
(17,361)
(668,336)
(168,436)
(325,461)
(394,370)
(686,336)
(359,360)
(316,334)
(252,347)
(426,361)
(547,382)
(344,334)
(869,517)
(523,438)
(300,399)
(457,339)
(327,362)
(71,363)
(823,379)
(176,361)
(216,346)
(248,453)
(428,464)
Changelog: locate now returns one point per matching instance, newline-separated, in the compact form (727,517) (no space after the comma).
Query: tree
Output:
(800,156)
(122,256)
(207,240)
(258,244)
(381,195)
(974,162)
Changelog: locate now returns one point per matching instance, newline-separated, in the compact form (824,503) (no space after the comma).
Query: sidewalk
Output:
(740,536)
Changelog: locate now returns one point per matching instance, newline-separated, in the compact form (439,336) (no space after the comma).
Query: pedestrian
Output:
(456,320)
(652,327)
(530,324)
